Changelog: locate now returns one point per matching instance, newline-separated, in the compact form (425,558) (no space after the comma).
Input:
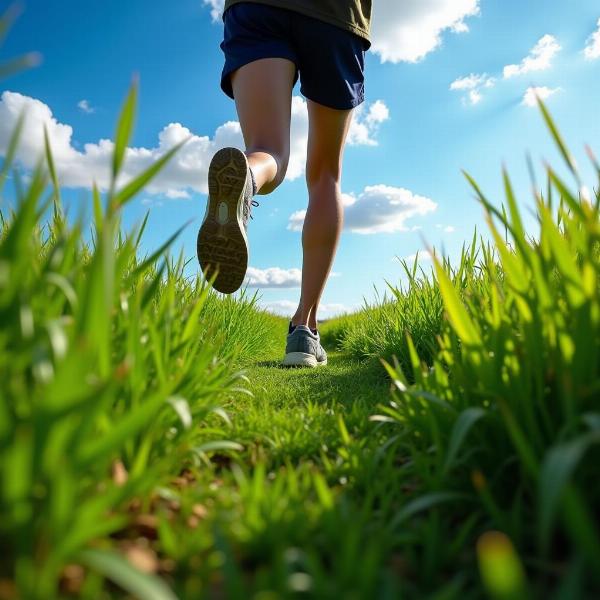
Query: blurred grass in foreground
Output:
(108,361)
(496,368)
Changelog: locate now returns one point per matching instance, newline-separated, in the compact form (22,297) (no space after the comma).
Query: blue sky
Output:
(446,83)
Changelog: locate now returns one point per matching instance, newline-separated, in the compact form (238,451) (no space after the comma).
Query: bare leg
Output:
(263,92)
(324,216)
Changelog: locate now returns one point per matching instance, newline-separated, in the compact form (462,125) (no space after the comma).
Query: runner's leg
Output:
(263,93)
(324,217)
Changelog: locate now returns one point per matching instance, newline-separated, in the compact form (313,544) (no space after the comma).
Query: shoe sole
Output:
(222,245)
(301,359)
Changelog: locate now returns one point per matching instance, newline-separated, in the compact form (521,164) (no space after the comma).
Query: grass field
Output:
(152,447)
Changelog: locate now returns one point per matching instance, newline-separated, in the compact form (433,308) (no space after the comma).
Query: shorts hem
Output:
(351,104)
(228,69)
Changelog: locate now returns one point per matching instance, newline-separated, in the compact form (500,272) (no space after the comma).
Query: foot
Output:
(222,241)
(303,348)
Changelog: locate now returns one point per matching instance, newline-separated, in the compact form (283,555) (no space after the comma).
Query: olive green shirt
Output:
(351,15)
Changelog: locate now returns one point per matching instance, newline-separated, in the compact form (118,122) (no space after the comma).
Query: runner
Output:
(268,45)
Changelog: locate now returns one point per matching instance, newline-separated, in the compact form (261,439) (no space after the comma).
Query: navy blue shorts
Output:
(329,59)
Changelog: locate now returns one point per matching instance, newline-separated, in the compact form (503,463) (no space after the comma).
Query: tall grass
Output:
(109,362)
(506,416)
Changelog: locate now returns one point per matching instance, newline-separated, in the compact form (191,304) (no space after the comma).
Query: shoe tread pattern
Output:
(222,248)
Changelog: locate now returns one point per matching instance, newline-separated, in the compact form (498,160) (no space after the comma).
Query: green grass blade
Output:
(140,233)
(133,187)
(567,157)
(501,569)
(119,570)
(158,253)
(465,422)
(11,151)
(515,215)
(423,503)
(8,18)
(21,63)
(556,471)
(52,171)
(460,319)
(124,129)
(98,212)
(565,195)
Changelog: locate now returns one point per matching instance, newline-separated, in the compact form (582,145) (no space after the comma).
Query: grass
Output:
(152,447)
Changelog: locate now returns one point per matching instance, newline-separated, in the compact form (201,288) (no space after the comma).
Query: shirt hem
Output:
(315,14)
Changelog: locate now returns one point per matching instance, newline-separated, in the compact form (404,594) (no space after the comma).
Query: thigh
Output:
(327,131)
(263,97)
(251,32)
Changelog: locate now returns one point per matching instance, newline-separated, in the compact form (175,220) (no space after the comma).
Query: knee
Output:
(321,177)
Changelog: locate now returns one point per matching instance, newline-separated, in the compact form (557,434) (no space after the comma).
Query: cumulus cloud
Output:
(85,107)
(422,255)
(378,209)
(152,202)
(532,93)
(406,31)
(286,308)
(471,86)
(366,122)
(539,58)
(409,30)
(216,8)
(187,171)
(592,48)
(296,220)
(273,277)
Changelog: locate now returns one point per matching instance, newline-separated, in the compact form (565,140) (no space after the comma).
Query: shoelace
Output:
(248,209)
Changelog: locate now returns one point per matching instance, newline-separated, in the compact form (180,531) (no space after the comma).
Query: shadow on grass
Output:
(344,379)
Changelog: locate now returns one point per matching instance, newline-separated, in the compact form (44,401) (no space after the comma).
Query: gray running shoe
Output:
(222,243)
(303,348)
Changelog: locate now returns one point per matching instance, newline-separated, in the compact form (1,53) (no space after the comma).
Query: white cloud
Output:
(472,81)
(423,255)
(539,58)
(286,308)
(532,93)
(186,172)
(592,48)
(366,122)
(406,31)
(296,220)
(473,85)
(273,277)
(378,209)
(216,8)
(446,228)
(176,194)
(86,107)
(79,168)
(475,97)
(152,202)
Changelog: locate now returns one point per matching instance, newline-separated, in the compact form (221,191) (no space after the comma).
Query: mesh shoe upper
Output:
(303,340)
(248,201)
